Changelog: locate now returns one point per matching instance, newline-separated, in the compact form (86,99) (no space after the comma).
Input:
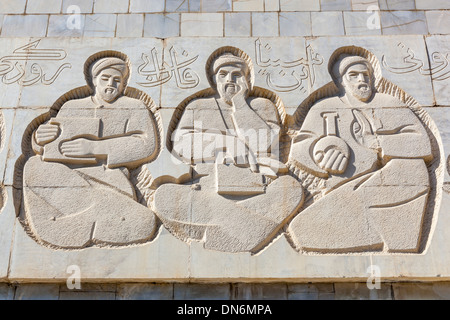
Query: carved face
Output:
(357,81)
(230,80)
(108,84)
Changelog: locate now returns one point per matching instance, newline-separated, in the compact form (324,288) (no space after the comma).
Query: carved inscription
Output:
(286,76)
(23,68)
(438,71)
(157,73)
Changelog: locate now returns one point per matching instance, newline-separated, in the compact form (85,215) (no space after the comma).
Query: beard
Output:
(227,91)
(361,91)
(108,94)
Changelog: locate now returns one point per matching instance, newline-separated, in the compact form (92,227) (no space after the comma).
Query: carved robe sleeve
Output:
(303,144)
(403,136)
(256,123)
(138,144)
(200,133)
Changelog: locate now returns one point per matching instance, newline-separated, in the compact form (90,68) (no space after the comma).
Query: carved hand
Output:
(332,160)
(331,153)
(78,148)
(46,133)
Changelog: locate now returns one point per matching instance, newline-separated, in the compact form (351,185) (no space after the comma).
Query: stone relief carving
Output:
(160,73)
(353,170)
(447,184)
(78,180)
(3,194)
(439,70)
(240,194)
(287,76)
(13,68)
(371,151)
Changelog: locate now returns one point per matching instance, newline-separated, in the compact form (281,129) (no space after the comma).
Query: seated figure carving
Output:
(372,150)
(77,189)
(239,196)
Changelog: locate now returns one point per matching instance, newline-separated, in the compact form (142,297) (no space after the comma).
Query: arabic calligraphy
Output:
(13,68)
(157,73)
(286,76)
(439,64)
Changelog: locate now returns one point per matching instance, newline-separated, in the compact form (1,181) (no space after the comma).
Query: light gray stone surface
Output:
(362,23)
(438,22)
(327,23)
(162,25)
(294,5)
(403,22)
(31,26)
(397,4)
(7,6)
(248,5)
(83,6)
(211,5)
(271,5)
(100,25)
(58,26)
(295,24)
(177,6)
(111,6)
(43,6)
(364,5)
(439,56)
(238,24)
(265,24)
(201,24)
(144,6)
(431,4)
(333,5)
(130,25)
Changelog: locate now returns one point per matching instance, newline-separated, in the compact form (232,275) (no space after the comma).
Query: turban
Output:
(110,62)
(228,59)
(346,61)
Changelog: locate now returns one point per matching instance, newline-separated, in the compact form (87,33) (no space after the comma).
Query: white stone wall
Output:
(218,18)
(410,39)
